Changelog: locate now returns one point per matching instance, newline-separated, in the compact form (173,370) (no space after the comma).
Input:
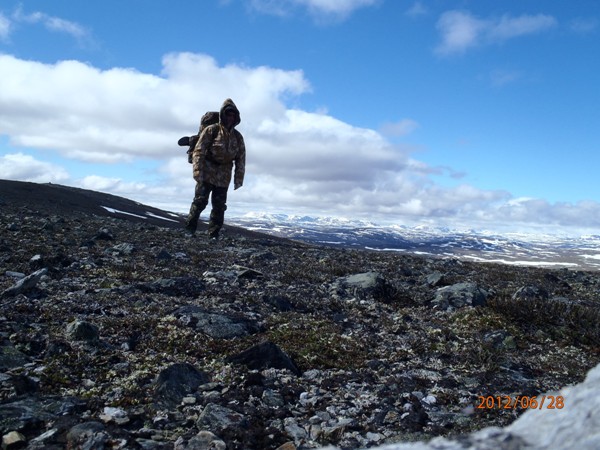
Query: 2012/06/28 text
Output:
(521,402)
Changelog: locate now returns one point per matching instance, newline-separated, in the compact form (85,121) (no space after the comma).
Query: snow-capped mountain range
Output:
(543,250)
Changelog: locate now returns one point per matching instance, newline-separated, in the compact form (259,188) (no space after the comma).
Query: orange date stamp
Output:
(520,402)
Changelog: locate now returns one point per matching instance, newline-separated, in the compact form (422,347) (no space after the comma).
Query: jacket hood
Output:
(228,104)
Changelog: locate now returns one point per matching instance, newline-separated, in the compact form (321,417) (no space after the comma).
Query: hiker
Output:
(219,147)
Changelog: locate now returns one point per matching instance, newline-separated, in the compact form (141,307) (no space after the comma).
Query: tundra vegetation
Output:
(126,334)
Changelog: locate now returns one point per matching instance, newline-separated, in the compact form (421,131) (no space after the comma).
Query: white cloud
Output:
(120,114)
(461,30)
(51,23)
(5,27)
(78,110)
(339,9)
(510,27)
(167,196)
(19,166)
(562,214)
(297,161)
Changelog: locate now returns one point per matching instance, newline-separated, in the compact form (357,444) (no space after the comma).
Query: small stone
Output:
(205,440)
(45,436)
(294,430)
(220,418)
(25,284)
(373,437)
(16,275)
(115,412)
(189,400)
(430,400)
(83,331)
(13,439)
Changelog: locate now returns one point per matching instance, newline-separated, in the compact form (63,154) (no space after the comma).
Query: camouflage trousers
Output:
(218,198)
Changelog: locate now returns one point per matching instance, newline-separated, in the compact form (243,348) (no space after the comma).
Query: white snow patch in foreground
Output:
(112,210)
(160,217)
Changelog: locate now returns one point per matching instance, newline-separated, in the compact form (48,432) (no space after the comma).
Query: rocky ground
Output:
(124,334)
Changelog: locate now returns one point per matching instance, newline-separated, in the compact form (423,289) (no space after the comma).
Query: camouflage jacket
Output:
(217,150)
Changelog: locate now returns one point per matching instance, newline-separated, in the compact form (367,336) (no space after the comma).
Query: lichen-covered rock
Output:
(460,295)
(204,440)
(531,292)
(79,330)
(363,286)
(263,356)
(220,419)
(10,357)
(87,435)
(176,381)
(25,284)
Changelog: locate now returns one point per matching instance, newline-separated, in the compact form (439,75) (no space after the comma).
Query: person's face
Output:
(229,118)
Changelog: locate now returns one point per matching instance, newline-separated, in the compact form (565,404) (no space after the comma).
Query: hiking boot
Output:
(190,227)
(191,223)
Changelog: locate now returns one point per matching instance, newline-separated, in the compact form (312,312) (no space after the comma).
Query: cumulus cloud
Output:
(461,31)
(298,161)
(80,111)
(19,166)
(167,195)
(563,214)
(120,114)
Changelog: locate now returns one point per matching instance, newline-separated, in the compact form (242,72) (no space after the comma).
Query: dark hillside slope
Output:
(121,332)
(60,200)
(65,199)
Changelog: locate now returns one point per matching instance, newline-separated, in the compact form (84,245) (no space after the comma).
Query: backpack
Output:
(209,118)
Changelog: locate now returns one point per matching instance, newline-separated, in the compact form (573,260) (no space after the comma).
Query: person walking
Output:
(219,147)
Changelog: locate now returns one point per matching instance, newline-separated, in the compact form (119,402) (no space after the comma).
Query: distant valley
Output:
(539,250)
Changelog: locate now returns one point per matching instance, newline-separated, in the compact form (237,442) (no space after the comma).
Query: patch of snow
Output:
(112,210)
(148,214)
(520,263)
(160,217)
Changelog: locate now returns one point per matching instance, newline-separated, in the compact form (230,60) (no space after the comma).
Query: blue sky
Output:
(478,114)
